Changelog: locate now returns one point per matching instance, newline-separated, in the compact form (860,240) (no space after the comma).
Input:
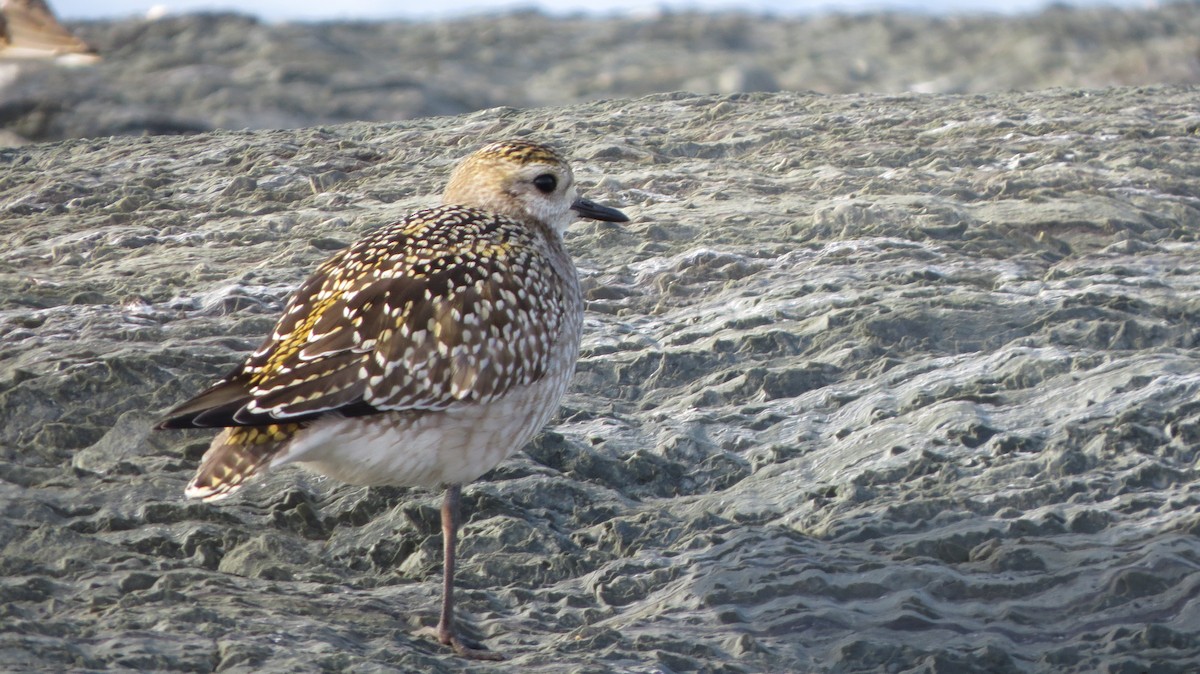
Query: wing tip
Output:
(215,407)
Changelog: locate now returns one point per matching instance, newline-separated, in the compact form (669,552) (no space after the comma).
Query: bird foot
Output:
(462,648)
(470,652)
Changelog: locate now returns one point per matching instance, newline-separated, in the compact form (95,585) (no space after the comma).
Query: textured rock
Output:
(870,383)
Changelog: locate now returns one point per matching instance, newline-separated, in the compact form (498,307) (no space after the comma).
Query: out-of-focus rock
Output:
(185,74)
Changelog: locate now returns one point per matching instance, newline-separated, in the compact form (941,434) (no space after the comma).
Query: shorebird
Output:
(423,354)
(28,30)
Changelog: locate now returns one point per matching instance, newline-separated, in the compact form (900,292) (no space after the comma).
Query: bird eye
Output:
(545,183)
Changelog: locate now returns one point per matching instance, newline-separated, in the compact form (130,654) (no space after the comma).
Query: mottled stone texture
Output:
(870,383)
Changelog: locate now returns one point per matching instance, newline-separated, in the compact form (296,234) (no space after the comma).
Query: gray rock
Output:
(869,383)
(186,74)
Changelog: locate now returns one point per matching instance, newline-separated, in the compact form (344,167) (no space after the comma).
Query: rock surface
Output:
(870,383)
(195,73)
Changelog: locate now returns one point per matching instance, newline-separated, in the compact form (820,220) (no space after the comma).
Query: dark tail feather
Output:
(213,408)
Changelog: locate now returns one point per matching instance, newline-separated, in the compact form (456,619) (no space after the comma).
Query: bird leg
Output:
(446,632)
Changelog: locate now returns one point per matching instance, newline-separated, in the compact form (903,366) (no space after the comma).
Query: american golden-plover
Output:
(28,30)
(423,354)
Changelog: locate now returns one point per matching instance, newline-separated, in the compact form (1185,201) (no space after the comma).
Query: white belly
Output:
(426,448)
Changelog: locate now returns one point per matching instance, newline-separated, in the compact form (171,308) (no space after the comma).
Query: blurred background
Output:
(282,10)
(193,66)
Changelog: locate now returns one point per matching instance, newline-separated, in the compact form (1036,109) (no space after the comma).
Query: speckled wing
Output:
(451,305)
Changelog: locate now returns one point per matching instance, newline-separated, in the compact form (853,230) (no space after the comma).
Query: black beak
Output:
(587,208)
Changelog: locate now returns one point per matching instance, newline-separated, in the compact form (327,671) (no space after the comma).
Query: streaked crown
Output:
(516,178)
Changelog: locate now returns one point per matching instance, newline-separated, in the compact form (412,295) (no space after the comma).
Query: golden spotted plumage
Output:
(423,354)
(226,471)
(407,316)
(451,306)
